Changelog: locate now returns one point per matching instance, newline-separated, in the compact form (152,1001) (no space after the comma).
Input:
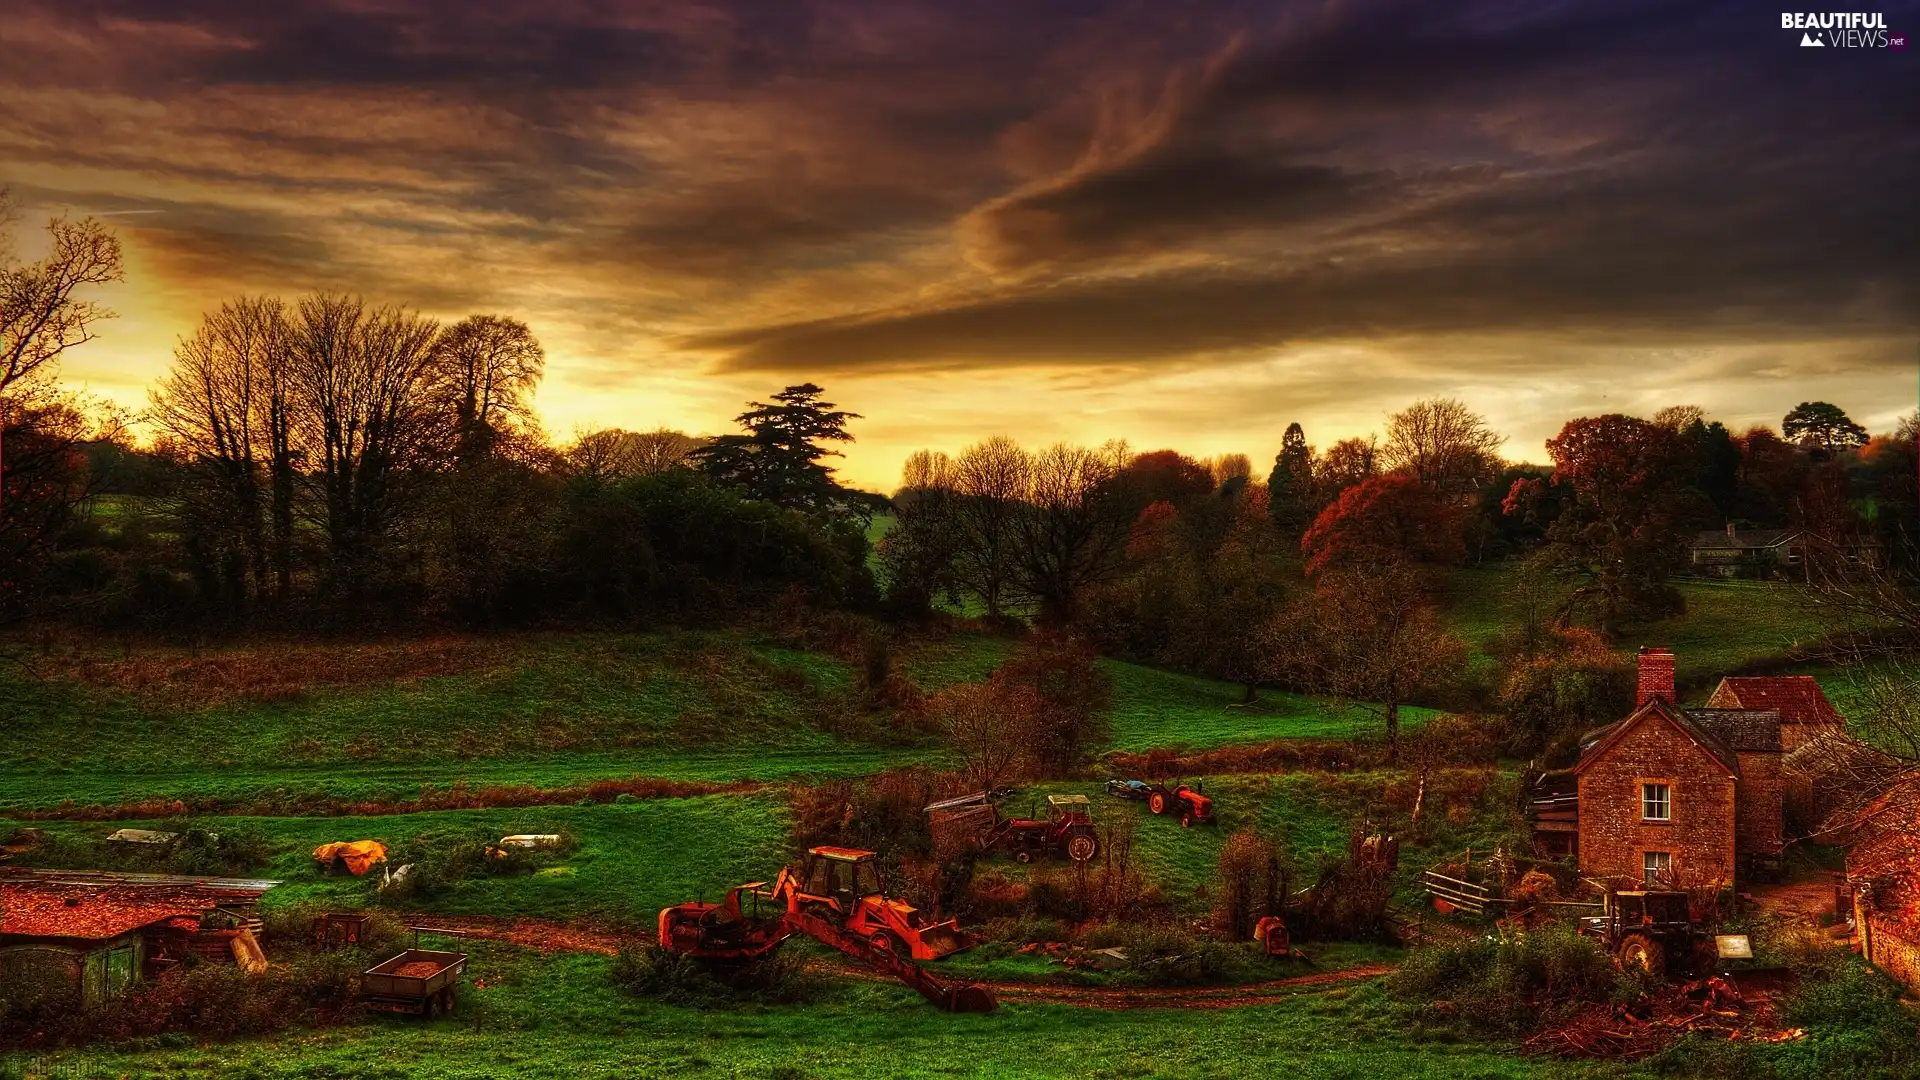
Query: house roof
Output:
(90,912)
(1747,540)
(1797,698)
(1599,741)
(1752,730)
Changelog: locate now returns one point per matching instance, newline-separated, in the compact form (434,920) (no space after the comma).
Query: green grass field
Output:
(1725,625)
(559,711)
(556,1017)
(632,859)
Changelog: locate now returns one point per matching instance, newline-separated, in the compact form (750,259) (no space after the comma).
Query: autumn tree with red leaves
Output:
(1385,518)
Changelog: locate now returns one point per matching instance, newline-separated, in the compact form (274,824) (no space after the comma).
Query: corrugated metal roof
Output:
(207,882)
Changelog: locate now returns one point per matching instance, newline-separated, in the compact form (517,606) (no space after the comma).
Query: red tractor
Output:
(1191,804)
(1066,832)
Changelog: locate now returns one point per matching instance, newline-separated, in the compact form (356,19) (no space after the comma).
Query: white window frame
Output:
(1665,802)
(1650,873)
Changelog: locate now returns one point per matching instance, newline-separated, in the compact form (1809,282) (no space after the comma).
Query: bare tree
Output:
(1346,463)
(1073,529)
(616,452)
(224,400)
(361,382)
(984,727)
(41,315)
(1678,418)
(989,482)
(1370,637)
(484,373)
(1448,446)
(1231,467)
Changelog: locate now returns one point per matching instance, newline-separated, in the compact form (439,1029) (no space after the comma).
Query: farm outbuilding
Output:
(88,936)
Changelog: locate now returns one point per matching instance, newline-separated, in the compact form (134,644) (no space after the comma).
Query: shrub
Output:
(651,971)
(1070,719)
(1507,985)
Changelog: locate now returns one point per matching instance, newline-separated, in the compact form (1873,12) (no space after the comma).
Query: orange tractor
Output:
(833,895)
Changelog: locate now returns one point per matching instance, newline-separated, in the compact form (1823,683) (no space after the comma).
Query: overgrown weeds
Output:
(1507,985)
(779,978)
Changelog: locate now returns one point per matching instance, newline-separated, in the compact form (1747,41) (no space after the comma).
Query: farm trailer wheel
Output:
(1643,952)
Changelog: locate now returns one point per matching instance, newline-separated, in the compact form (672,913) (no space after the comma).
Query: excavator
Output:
(832,895)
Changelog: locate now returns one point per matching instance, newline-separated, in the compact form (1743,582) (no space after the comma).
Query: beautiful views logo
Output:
(1843,29)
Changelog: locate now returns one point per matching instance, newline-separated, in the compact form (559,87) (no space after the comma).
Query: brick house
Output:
(1688,797)
(1805,713)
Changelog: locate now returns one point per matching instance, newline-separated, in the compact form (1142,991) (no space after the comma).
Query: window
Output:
(1656,802)
(1654,866)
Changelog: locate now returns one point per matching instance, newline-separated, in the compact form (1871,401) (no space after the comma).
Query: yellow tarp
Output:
(359,856)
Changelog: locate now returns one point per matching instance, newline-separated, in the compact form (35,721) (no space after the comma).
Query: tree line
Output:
(324,460)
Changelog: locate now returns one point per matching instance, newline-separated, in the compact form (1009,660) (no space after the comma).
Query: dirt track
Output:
(537,934)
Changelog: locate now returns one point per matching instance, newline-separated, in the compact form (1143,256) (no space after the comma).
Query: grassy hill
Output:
(1725,625)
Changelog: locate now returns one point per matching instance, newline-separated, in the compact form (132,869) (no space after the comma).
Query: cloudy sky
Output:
(1182,224)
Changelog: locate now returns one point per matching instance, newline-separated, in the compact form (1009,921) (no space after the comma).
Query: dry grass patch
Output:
(277,672)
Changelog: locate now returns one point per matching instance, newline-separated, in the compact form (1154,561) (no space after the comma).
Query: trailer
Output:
(418,981)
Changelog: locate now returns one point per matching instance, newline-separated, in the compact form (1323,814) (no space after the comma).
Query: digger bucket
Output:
(944,939)
(971,998)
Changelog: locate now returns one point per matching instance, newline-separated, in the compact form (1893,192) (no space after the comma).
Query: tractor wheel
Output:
(1082,847)
(886,941)
(1641,952)
(446,1005)
(1157,802)
(1023,856)
(1186,821)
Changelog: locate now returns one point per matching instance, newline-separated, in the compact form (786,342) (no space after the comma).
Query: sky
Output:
(1185,225)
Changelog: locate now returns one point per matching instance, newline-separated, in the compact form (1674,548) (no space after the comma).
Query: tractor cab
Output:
(836,878)
(1069,810)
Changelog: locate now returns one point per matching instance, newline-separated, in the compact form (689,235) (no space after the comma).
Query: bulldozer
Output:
(832,895)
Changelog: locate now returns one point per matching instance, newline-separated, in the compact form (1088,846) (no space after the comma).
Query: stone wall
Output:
(1700,836)
(1757,830)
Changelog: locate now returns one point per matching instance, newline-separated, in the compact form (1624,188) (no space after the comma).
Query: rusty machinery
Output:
(834,896)
(1650,929)
(1065,832)
(1190,804)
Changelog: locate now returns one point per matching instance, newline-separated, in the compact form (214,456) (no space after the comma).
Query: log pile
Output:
(1714,1007)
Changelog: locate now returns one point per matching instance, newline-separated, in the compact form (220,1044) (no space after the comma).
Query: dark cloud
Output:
(1142,183)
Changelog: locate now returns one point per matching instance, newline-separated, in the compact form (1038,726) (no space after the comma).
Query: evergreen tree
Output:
(779,459)
(1827,427)
(1290,485)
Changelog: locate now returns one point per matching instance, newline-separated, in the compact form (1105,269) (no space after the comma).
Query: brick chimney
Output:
(1656,676)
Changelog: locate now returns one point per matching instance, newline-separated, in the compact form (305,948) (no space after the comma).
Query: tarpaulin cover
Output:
(359,855)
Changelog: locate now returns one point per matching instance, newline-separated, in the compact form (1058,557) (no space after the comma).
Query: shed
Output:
(88,935)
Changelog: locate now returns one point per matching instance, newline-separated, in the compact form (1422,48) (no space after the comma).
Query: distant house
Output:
(1767,553)
(88,936)
(1673,796)
(1752,553)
